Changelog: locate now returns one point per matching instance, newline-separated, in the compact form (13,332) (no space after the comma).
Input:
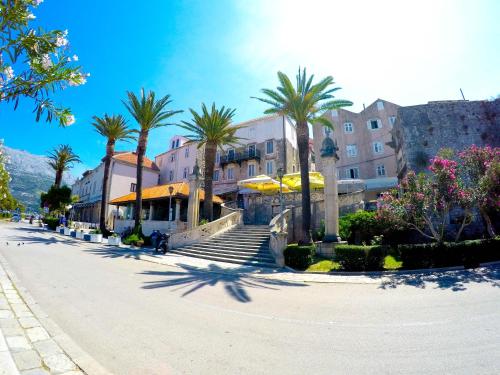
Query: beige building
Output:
(177,163)
(122,180)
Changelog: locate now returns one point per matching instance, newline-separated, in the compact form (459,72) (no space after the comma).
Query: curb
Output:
(81,358)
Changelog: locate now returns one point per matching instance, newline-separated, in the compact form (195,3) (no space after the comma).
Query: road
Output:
(136,317)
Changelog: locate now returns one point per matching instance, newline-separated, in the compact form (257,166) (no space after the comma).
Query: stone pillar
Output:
(193,213)
(151,210)
(177,210)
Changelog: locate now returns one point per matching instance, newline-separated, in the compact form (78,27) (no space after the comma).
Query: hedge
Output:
(299,257)
(360,258)
(52,222)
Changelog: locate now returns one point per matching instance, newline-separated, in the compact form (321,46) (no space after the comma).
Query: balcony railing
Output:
(239,156)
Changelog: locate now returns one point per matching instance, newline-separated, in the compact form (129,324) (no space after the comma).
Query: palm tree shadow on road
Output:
(32,236)
(235,283)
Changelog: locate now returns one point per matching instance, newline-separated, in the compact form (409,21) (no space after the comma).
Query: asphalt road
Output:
(136,317)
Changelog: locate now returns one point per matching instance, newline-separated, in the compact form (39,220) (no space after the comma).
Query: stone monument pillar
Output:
(193,212)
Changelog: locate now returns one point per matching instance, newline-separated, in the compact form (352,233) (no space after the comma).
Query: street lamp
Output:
(170,190)
(280,172)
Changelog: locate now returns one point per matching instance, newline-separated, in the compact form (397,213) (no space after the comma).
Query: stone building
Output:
(420,131)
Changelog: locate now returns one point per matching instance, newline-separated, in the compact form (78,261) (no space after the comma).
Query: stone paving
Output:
(26,348)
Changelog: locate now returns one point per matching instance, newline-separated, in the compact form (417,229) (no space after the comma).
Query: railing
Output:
(228,208)
(203,232)
(279,236)
(239,155)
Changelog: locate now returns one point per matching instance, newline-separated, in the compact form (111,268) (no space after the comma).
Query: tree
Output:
(42,58)
(114,128)
(212,130)
(481,169)
(7,201)
(57,198)
(306,103)
(61,159)
(150,114)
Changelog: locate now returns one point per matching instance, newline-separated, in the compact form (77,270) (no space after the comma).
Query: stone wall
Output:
(421,131)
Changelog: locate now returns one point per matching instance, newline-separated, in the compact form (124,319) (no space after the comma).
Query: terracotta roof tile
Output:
(131,158)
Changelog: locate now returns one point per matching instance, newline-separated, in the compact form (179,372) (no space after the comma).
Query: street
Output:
(137,317)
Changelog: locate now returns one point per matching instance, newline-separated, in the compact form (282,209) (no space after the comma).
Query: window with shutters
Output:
(378,147)
(381,170)
(352,151)
(352,172)
(348,127)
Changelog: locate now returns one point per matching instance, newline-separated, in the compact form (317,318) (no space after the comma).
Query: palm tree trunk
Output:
(58,180)
(110,148)
(141,150)
(208,209)
(303,146)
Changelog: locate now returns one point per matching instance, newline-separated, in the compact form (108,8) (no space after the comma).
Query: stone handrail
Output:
(228,208)
(279,236)
(205,231)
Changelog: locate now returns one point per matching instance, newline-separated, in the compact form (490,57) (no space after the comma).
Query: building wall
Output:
(421,131)
(366,160)
(173,169)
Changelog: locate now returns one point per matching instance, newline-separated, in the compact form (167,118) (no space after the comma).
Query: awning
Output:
(180,190)
(263,184)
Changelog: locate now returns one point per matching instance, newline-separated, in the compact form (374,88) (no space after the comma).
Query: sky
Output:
(225,51)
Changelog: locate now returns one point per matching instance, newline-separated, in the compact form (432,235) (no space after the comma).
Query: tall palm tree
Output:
(306,103)
(61,159)
(213,130)
(114,128)
(150,113)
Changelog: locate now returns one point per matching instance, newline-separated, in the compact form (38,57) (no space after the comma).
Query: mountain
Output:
(31,175)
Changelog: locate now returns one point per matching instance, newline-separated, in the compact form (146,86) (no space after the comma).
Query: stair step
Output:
(235,239)
(233,245)
(229,253)
(227,260)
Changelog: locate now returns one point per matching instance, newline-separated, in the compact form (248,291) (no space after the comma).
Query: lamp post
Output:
(280,172)
(170,190)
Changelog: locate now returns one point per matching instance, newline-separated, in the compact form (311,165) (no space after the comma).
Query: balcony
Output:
(238,156)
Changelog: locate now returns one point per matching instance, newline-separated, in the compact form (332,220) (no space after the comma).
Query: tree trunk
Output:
(141,150)
(489,225)
(59,174)
(110,148)
(303,146)
(208,209)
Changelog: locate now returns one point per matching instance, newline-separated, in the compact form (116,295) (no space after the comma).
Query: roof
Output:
(181,190)
(131,158)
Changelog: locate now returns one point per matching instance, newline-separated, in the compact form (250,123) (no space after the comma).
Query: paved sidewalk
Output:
(25,346)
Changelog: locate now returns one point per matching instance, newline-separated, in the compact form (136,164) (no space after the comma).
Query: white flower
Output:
(69,120)
(75,58)
(77,79)
(61,40)
(38,2)
(31,16)
(46,61)
(9,73)
(68,59)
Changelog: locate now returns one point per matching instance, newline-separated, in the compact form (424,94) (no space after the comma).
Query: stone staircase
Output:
(245,244)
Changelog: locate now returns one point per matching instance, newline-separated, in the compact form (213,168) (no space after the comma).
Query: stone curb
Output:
(83,360)
(371,277)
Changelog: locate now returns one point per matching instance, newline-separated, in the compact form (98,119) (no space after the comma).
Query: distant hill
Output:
(30,175)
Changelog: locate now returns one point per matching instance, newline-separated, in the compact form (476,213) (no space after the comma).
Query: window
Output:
(172,157)
(392,120)
(380,170)
(293,168)
(186,152)
(217,158)
(230,173)
(348,128)
(173,144)
(378,147)
(171,175)
(251,170)
(352,172)
(269,146)
(216,175)
(374,124)
(133,187)
(230,154)
(352,151)
(177,143)
(251,150)
(269,167)
(185,173)
(380,106)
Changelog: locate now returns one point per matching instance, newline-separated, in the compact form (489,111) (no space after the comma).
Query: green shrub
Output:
(133,239)
(319,234)
(360,258)
(52,222)
(299,257)
(359,227)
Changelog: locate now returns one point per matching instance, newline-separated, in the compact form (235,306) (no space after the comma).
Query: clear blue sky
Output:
(225,51)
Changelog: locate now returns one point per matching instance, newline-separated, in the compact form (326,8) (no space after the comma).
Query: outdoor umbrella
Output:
(293,180)
(263,184)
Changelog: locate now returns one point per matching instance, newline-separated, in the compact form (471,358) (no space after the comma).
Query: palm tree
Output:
(61,159)
(150,114)
(114,128)
(306,103)
(213,130)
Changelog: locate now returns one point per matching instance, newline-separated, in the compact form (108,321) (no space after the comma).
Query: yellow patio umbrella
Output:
(293,180)
(263,184)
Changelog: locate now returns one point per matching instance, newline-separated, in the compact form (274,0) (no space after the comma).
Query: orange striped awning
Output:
(181,190)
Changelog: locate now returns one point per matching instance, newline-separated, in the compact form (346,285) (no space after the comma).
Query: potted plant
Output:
(79,234)
(86,236)
(95,236)
(114,239)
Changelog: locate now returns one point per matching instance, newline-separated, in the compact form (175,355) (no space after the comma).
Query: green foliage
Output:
(320,233)
(61,159)
(51,221)
(95,231)
(323,265)
(42,60)
(56,198)
(360,227)
(134,239)
(204,221)
(299,257)
(360,258)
